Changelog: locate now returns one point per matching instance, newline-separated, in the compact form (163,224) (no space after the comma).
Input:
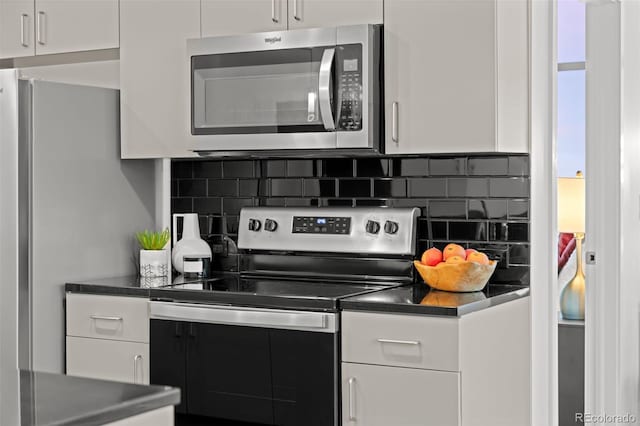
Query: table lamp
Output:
(571,213)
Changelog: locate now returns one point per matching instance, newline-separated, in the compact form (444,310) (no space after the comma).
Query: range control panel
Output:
(375,230)
(321,225)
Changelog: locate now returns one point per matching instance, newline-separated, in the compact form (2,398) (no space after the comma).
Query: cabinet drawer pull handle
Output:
(23,29)
(274,15)
(135,367)
(40,27)
(400,342)
(106,318)
(296,16)
(394,122)
(352,402)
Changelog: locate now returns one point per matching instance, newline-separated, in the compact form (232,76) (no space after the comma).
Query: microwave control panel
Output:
(349,67)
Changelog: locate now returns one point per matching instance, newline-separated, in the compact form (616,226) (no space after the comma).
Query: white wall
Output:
(612,339)
(630,226)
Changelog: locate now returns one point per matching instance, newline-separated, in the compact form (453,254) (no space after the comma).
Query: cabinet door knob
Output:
(352,402)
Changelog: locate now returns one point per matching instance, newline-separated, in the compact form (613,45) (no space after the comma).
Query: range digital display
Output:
(321,225)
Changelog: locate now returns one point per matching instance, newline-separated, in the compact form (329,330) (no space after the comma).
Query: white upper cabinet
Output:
(41,27)
(512,34)
(221,17)
(16,28)
(456,76)
(330,13)
(75,25)
(155,76)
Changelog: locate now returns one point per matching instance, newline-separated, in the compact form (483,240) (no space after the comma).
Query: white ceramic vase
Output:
(154,263)
(190,245)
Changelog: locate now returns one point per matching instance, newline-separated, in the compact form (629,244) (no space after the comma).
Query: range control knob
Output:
(390,227)
(372,227)
(254,225)
(270,225)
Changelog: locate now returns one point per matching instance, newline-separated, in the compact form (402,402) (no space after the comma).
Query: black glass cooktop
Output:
(281,293)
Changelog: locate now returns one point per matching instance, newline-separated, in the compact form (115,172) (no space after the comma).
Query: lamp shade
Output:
(571,205)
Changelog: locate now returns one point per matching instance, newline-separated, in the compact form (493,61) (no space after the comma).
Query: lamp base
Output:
(572,296)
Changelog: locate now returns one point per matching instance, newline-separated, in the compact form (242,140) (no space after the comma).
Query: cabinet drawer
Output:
(108,360)
(400,340)
(374,395)
(108,317)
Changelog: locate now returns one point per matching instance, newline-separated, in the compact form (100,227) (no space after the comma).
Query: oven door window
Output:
(279,91)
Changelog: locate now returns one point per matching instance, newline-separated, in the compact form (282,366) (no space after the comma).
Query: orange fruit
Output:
(469,251)
(453,250)
(431,257)
(455,259)
(478,257)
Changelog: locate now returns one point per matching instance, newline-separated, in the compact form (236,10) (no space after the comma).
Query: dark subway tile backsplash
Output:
(338,167)
(205,169)
(491,166)
(238,168)
(302,168)
(447,166)
(410,166)
(387,188)
(468,187)
(509,187)
(352,188)
(426,187)
(192,188)
(223,188)
(449,209)
(372,167)
(319,188)
(487,209)
(209,205)
(476,201)
(286,187)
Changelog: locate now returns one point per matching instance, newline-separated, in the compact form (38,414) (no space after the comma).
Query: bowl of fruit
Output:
(455,269)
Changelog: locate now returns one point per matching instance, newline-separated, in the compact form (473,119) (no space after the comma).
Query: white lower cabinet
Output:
(108,337)
(423,370)
(108,360)
(375,395)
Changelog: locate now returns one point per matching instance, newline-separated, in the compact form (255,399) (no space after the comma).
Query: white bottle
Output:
(190,244)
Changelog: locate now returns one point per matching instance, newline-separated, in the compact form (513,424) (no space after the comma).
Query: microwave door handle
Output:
(324,89)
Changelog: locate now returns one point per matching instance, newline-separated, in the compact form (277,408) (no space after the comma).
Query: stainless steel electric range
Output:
(262,347)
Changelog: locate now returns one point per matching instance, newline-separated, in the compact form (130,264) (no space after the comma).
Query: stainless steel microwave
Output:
(287,92)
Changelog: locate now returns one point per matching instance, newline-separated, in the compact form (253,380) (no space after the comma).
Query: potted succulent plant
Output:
(154,258)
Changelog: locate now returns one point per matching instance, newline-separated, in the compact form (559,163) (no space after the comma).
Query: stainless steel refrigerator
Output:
(69,208)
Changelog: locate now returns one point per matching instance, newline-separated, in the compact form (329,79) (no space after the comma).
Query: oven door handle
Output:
(248,317)
(324,88)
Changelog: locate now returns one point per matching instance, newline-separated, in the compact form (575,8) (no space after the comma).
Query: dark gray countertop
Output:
(130,285)
(414,299)
(421,299)
(57,399)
